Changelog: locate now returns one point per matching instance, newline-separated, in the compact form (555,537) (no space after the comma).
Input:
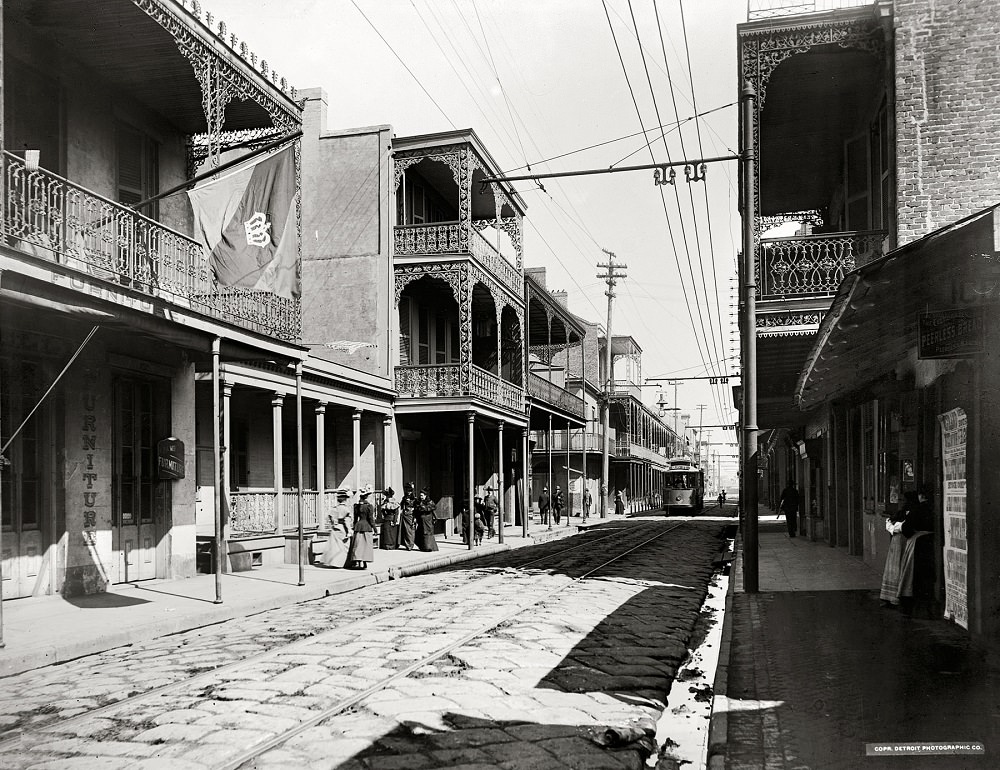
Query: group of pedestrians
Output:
(406,524)
(482,519)
(551,505)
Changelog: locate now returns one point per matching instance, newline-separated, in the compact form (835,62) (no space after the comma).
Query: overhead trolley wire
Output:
(405,66)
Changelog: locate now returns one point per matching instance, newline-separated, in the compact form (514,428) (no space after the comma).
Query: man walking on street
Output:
(543,505)
(557,503)
(490,510)
(587,501)
(789,505)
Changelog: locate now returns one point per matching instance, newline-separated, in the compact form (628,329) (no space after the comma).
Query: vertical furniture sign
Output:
(956,547)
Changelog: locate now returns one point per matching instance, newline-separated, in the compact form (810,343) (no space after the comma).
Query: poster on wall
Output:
(956,548)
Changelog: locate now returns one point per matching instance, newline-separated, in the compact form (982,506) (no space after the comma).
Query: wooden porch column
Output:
(276,402)
(569,480)
(500,486)
(227,394)
(320,464)
(387,451)
(357,453)
(548,454)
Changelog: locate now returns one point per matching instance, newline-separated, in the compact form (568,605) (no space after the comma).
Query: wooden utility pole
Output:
(613,274)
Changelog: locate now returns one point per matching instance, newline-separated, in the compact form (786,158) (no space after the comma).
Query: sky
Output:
(539,81)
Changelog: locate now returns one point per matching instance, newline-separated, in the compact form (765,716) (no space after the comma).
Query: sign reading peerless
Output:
(951,333)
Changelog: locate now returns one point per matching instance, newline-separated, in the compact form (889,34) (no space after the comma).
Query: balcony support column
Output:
(276,457)
(471,491)
(226,389)
(387,451)
(299,475)
(320,464)
(501,491)
(569,490)
(216,466)
(525,493)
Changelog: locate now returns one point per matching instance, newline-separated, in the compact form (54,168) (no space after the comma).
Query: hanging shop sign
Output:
(950,333)
(170,458)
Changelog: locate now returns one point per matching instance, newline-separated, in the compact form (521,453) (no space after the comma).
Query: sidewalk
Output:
(813,672)
(38,631)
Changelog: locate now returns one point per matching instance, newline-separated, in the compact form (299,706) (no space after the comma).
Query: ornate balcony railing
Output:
(542,389)
(252,513)
(813,265)
(444,238)
(625,388)
(578,442)
(54,219)
(423,381)
(496,263)
(446,380)
(290,509)
(455,238)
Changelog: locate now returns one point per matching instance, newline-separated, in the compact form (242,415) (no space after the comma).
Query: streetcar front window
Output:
(678,481)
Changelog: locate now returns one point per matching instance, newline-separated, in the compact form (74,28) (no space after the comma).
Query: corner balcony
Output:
(445,381)
(628,449)
(813,265)
(459,240)
(53,219)
(543,390)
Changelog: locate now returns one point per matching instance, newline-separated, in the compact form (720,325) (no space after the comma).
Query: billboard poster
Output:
(956,548)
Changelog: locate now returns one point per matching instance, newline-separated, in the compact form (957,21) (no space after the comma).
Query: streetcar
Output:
(683,486)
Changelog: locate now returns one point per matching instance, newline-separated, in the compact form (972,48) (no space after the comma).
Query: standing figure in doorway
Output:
(388,538)
(361,551)
(587,502)
(789,505)
(408,519)
(425,522)
(491,512)
(557,503)
(543,505)
(619,504)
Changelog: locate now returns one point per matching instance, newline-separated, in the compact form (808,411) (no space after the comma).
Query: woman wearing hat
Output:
(362,551)
(388,538)
(407,519)
(425,522)
(336,522)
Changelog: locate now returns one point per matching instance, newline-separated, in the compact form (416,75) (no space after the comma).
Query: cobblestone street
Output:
(559,655)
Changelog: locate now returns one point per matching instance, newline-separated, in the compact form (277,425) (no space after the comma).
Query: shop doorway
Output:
(23,496)
(141,414)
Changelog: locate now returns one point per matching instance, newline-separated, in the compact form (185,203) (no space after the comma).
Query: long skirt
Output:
(388,538)
(361,548)
(892,572)
(425,533)
(407,531)
(335,551)
(906,563)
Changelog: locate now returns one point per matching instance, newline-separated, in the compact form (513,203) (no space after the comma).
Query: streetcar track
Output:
(347,703)
(18,734)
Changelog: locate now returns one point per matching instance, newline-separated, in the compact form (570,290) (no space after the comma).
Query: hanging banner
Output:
(956,548)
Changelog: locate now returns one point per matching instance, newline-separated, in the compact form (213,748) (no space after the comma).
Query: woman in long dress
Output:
(336,522)
(407,519)
(892,572)
(362,547)
(425,522)
(388,538)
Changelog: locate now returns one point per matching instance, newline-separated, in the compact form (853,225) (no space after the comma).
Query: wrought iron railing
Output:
(578,442)
(54,219)
(813,265)
(423,381)
(765,9)
(252,513)
(626,388)
(443,238)
(542,389)
(446,380)
(496,263)
(456,238)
